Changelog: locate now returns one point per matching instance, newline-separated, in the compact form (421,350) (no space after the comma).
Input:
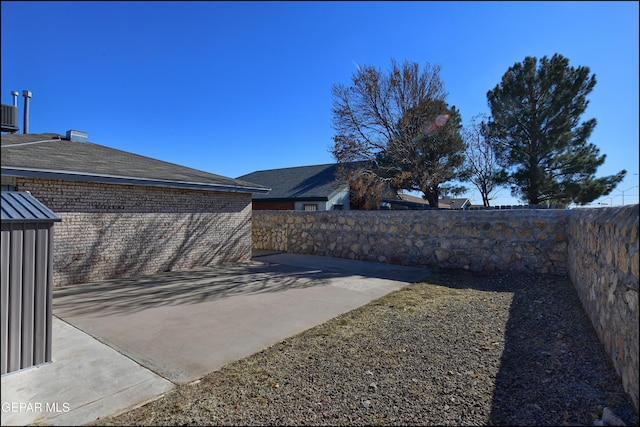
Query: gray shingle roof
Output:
(20,206)
(315,182)
(50,155)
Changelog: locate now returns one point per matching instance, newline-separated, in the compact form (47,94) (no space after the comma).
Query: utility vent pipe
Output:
(77,135)
(27,94)
(15,98)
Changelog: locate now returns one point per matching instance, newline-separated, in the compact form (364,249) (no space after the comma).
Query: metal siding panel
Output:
(41,296)
(49,294)
(27,285)
(35,208)
(8,210)
(28,295)
(20,206)
(4,295)
(15,303)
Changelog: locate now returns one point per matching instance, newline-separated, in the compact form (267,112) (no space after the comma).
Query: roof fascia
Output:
(291,199)
(123,180)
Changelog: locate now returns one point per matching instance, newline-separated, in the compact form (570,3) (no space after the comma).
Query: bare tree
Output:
(398,127)
(481,167)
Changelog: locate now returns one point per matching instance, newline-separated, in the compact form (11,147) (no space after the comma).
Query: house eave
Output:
(291,199)
(125,180)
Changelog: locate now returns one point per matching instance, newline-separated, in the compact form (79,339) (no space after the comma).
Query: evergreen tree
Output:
(537,135)
(428,151)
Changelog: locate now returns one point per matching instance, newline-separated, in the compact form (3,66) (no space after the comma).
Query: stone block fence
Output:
(596,248)
(604,267)
(527,240)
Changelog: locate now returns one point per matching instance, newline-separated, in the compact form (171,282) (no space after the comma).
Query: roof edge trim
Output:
(124,180)
(291,199)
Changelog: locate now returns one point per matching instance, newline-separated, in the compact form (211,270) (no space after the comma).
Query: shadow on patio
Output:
(129,295)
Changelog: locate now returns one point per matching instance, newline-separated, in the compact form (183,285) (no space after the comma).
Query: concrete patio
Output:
(121,343)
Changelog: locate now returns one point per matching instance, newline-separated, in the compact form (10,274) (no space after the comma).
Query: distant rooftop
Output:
(302,182)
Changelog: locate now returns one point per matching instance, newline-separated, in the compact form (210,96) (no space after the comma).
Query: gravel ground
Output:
(463,349)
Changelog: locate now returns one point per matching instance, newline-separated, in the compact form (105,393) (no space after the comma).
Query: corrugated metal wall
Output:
(27,281)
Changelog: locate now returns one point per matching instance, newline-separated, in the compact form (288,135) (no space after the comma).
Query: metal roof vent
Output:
(27,94)
(9,118)
(77,136)
(10,115)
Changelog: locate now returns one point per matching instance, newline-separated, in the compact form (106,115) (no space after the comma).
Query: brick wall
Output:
(110,231)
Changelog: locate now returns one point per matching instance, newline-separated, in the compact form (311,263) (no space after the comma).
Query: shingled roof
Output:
(52,156)
(303,183)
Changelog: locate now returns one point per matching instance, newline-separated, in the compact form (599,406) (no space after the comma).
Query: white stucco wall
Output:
(338,197)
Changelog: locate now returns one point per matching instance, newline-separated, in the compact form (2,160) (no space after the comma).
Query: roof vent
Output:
(27,94)
(77,136)
(9,118)
(10,115)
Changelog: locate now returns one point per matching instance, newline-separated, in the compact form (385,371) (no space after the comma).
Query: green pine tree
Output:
(537,135)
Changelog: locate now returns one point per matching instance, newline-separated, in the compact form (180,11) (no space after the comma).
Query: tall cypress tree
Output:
(537,135)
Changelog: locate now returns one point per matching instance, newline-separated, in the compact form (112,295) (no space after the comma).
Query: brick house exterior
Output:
(125,215)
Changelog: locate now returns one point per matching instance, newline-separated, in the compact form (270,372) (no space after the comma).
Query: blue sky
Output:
(234,87)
